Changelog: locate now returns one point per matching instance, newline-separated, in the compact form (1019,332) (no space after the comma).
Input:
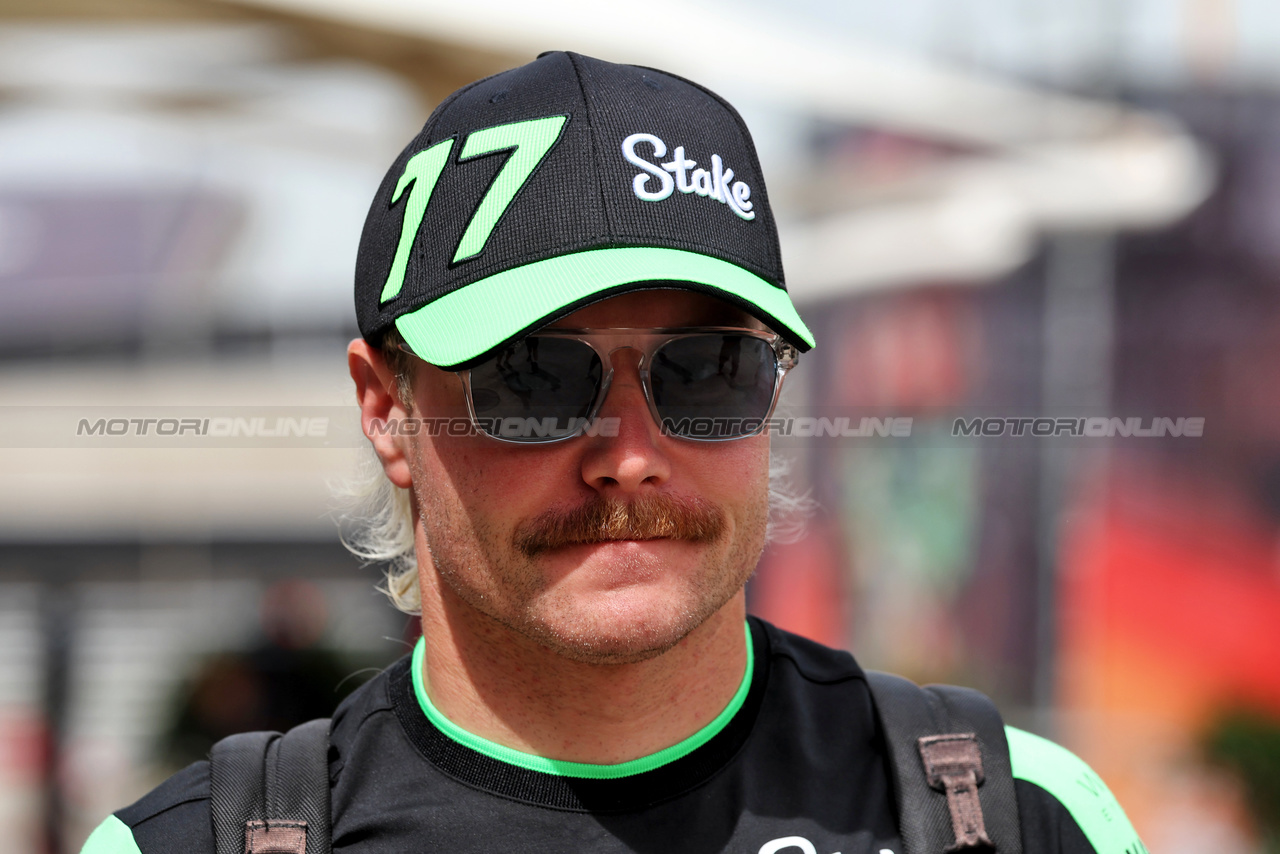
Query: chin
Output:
(604,649)
(619,626)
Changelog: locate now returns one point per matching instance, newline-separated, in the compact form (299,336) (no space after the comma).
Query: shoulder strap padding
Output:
(907,713)
(275,785)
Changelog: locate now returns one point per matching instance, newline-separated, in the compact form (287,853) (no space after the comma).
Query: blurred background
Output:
(988,208)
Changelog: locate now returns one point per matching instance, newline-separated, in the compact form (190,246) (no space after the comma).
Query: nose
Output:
(632,459)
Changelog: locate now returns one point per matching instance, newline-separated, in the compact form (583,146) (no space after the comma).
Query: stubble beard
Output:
(502,576)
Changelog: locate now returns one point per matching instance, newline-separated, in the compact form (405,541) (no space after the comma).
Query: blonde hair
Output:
(378,528)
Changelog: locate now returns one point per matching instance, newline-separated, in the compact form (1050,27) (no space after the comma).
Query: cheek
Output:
(472,484)
(738,468)
(448,483)
(734,475)
(755,512)
(754,487)
(456,538)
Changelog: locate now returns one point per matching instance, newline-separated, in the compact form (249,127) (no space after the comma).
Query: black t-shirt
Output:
(799,766)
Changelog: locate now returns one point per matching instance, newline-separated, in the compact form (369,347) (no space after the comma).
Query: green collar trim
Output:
(584,770)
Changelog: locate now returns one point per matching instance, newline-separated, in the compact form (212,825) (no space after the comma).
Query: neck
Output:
(511,690)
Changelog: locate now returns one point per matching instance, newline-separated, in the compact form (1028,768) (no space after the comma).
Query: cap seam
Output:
(434,118)
(592,141)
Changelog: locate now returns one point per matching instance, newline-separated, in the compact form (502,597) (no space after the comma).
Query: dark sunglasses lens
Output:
(536,389)
(713,386)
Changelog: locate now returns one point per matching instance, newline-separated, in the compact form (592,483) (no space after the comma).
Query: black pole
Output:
(57,626)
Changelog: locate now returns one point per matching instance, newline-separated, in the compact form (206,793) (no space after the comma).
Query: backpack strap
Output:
(269,793)
(952,779)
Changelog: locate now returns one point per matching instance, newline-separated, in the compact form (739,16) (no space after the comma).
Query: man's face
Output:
(503,528)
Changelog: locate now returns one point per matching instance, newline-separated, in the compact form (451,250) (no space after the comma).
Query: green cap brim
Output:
(469,322)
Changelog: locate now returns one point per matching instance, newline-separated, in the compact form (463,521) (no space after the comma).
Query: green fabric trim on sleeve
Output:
(1065,776)
(113,836)
(562,768)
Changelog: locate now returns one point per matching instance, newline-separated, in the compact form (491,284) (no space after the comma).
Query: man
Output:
(574,326)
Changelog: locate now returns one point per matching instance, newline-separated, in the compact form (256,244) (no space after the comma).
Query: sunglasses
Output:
(709,384)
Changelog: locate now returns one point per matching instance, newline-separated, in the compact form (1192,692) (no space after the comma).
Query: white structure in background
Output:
(264,167)
(181,113)
(1040,160)
(160,181)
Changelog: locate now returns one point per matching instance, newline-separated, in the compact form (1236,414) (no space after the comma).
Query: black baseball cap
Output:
(534,192)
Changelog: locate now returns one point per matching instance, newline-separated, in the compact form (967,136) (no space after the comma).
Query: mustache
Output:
(652,517)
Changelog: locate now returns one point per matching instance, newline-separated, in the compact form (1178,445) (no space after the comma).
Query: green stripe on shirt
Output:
(1065,776)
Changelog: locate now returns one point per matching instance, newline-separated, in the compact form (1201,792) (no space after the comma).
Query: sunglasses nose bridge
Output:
(618,364)
(638,355)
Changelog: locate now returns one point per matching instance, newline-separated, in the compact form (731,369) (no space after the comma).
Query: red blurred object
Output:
(1173,600)
(1170,614)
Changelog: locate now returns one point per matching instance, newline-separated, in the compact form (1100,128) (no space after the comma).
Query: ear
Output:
(379,403)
